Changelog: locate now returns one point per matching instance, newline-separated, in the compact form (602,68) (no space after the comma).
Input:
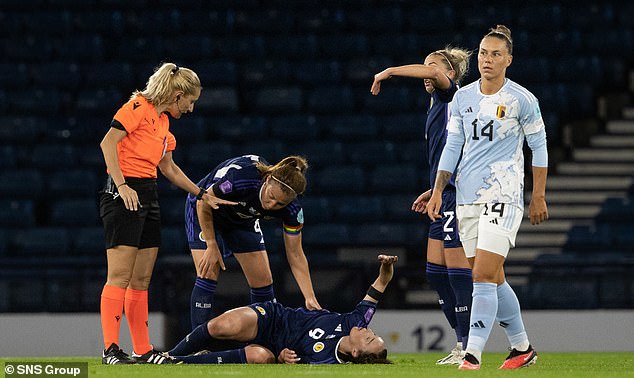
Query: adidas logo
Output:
(478,324)
(447,237)
(338,329)
(469,110)
(156,358)
(504,324)
(112,360)
(494,221)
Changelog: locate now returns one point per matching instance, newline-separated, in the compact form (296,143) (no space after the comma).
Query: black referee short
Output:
(141,228)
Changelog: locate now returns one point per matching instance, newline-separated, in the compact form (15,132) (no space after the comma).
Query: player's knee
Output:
(140,283)
(119,278)
(479,276)
(258,355)
(222,326)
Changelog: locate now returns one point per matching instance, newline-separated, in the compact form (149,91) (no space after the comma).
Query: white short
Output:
(490,227)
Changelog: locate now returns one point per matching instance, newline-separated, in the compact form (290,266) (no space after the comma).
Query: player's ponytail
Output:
(503,33)
(167,79)
(457,59)
(290,172)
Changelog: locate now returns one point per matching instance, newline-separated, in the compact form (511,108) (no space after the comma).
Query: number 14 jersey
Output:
(490,130)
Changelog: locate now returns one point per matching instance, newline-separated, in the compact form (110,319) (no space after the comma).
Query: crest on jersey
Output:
(318,347)
(501,111)
(226,187)
(201,236)
(300,216)
(260,310)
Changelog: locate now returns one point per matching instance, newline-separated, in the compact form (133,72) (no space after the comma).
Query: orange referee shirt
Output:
(147,141)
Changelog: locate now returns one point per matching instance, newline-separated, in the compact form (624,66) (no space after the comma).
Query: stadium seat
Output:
(385,19)
(293,46)
(240,47)
(278,100)
(268,20)
(317,209)
(188,47)
(271,150)
(370,154)
(294,128)
(108,75)
(357,209)
(361,71)
(219,72)
(318,73)
(398,208)
(40,242)
(173,241)
(268,72)
(62,290)
(212,21)
(382,234)
(208,154)
(396,179)
(399,47)
(403,127)
(326,234)
(35,102)
(74,213)
(391,100)
(430,19)
(239,128)
(320,20)
(50,156)
(18,129)
(56,75)
(13,182)
(108,22)
(173,211)
(343,46)
(14,75)
(87,241)
(321,153)
(99,102)
(28,48)
(218,100)
(17,213)
(191,129)
(331,99)
(343,179)
(7,157)
(350,127)
(88,48)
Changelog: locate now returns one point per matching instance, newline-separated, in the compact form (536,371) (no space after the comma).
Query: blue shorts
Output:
(242,238)
(446,228)
(272,330)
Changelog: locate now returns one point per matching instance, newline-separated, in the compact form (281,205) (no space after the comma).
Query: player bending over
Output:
(275,333)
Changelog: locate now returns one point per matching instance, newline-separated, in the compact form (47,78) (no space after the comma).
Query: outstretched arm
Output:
(386,271)
(419,71)
(299,266)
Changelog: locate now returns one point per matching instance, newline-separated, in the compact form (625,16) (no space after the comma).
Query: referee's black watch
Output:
(200,194)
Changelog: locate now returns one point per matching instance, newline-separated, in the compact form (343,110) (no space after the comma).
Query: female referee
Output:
(448,270)
(137,142)
(262,191)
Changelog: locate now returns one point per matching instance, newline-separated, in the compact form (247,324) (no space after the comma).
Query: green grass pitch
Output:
(557,365)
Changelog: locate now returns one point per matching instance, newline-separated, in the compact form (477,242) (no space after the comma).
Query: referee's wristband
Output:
(200,194)
(123,183)
(374,293)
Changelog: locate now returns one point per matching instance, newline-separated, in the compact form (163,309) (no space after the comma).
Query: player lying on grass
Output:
(275,333)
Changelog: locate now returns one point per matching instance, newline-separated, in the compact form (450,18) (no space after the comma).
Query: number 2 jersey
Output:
(490,130)
(313,335)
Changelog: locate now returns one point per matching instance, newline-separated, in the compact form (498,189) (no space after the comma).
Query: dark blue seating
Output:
(17,213)
(82,48)
(74,213)
(191,129)
(189,47)
(294,128)
(218,100)
(392,99)
(35,102)
(137,49)
(22,129)
(343,179)
(16,75)
(208,154)
(56,75)
(327,234)
(381,234)
(53,156)
(8,157)
(88,241)
(99,102)
(357,209)
(361,71)
(240,47)
(317,209)
(277,20)
(78,182)
(15,182)
(350,127)
(321,153)
(279,100)
(318,73)
(396,179)
(292,46)
(268,72)
(114,75)
(343,45)
(371,153)
(239,128)
(271,150)
(173,242)
(99,21)
(173,210)
(39,242)
(220,72)
(331,100)
(403,127)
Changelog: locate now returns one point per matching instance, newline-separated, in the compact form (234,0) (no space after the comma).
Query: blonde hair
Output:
(456,59)
(290,172)
(167,79)
(503,33)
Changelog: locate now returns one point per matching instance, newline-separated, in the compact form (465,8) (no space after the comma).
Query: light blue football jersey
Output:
(490,131)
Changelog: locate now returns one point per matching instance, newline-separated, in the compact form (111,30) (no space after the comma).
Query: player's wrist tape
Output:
(374,293)
(200,194)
